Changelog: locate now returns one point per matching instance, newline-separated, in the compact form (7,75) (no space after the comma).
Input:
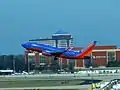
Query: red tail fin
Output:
(88,51)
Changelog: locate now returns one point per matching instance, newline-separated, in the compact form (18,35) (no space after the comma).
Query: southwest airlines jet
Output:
(67,53)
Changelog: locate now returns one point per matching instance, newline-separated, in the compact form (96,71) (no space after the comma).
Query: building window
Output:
(31,58)
(42,59)
(71,42)
(111,56)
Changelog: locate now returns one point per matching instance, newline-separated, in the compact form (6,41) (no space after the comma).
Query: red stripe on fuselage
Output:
(70,57)
(45,54)
(35,49)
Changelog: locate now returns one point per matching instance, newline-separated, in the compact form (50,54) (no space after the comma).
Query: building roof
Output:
(60,32)
(49,39)
(105,47)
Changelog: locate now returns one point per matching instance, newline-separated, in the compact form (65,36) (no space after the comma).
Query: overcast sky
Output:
(86,20)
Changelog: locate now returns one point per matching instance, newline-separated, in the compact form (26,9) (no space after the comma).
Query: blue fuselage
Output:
(50,49)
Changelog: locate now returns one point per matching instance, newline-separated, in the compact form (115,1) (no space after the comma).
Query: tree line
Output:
(17,62)
(11,62)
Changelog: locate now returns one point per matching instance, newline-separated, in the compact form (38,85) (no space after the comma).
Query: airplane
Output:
(66,53)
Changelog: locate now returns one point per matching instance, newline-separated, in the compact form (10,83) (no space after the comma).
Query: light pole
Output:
(91,69)
(60,64)
(14,64)
(28,65)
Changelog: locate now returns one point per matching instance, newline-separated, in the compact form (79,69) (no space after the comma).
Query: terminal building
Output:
(104,54)
(101,55)
(59,39)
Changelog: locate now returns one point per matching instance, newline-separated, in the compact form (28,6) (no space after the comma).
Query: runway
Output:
(51,81)
(104,77)
(75,87)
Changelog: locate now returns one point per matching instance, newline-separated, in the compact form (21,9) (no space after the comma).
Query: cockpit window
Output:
(34,44)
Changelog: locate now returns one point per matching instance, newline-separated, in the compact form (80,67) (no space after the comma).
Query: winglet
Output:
(95,42)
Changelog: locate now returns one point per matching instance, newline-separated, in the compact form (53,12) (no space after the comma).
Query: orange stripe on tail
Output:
(88,51)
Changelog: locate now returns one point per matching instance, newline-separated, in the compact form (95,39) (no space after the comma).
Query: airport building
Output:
(104,54)
(59,39)
(101,55)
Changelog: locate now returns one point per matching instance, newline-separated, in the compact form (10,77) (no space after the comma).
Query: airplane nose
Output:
(23,45)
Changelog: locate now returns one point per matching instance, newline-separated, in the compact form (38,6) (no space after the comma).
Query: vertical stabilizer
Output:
(88,51)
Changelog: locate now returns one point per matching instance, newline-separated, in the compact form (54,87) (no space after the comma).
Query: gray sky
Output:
(86,20)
